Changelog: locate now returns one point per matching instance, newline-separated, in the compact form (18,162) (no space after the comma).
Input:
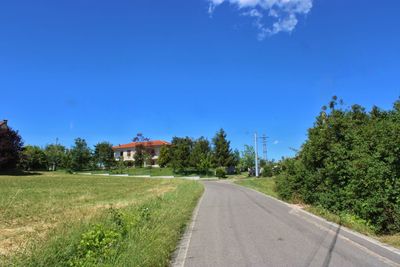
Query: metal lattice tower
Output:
(264,145)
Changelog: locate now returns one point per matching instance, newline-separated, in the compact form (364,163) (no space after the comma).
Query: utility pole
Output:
(264,144)
(256,153)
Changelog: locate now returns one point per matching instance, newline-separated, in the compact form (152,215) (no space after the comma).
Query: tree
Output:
(10,148)
(149,153)
(140,138)
(180,153)
(221,150)
(235,158)
(139,156)
(55,155)
(80,155)
(200,155)
(33,158)
(204,164)
(165,156)
(247,159)
(104,155)
(349,164)
(267,168)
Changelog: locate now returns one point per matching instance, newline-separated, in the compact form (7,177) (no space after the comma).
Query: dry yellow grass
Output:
(31,206)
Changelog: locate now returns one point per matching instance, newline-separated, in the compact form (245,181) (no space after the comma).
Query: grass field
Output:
(54,219)
(142,171)
(155,171)
(267,186)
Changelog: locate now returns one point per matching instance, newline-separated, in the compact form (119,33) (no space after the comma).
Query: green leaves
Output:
(349,163)
(101,242)
(223,155)
(104,155)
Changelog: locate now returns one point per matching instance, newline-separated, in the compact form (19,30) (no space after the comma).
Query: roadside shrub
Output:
(220,172)
(350,163)
(96,245)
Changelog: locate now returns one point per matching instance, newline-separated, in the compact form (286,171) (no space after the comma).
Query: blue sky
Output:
(105,70)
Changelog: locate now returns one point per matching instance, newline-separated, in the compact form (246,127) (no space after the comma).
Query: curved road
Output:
(236,226)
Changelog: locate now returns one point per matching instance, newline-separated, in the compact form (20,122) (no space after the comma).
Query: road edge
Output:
(180,254)
(354,236)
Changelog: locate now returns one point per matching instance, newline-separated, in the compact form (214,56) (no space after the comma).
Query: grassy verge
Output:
(264,185)
(267,186)
(69,220)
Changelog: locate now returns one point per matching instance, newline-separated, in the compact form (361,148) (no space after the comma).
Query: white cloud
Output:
(276,142)
(270,16)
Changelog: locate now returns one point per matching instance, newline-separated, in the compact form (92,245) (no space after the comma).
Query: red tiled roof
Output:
(147,144)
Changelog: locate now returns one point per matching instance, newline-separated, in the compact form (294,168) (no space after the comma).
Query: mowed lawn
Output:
(56,219)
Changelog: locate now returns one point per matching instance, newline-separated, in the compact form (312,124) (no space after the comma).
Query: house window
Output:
(129,153)
(121,153)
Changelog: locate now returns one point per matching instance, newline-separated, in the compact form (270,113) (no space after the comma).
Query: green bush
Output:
(220,172)
(350,163)
(101,242)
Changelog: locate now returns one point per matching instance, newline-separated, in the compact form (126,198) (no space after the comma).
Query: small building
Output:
(3,125)
(126,152)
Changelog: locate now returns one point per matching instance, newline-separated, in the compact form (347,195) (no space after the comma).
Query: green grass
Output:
(264,185)
(155,171)
(242,175)
(142,171)
(267,186)
(44,219)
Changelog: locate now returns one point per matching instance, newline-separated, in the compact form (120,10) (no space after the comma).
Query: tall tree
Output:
(221,150)
(180,153)
(33,158)
(104,155)
(165,156)
(10,148)
(80,155)
(200,156)
(139,156)
(55,154)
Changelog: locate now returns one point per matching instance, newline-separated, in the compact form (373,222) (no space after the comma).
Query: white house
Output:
(126,152)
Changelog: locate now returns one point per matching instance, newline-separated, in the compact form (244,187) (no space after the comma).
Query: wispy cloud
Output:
(276,142)
(270,16)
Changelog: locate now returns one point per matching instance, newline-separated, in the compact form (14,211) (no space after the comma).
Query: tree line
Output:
(200,155)
(184,155)
(350,163)
(14,155)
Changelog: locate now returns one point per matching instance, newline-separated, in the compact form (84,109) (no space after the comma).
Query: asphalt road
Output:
(236,226)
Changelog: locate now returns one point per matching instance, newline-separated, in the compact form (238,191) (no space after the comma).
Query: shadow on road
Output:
(328,257)
(331,247)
